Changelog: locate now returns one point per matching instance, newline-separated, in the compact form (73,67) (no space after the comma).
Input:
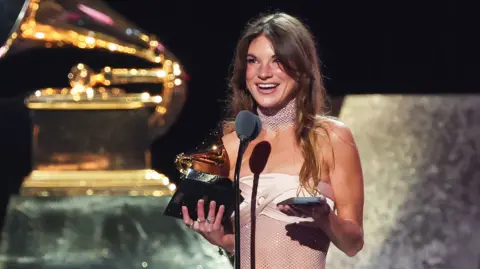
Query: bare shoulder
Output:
(339,134)
(337,144)
(230,140)
(230,143)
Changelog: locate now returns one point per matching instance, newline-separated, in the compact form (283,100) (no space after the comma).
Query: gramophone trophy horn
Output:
(85,24)
(204,174)
(94,137)
(213,160)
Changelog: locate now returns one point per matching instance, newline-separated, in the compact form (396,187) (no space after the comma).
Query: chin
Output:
(267,102)
(270,99)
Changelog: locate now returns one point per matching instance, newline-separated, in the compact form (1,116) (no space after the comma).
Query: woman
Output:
(276,75)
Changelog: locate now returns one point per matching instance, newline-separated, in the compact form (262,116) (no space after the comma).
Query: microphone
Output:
(247,127)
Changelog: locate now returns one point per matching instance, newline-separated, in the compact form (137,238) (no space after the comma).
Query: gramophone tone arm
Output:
(83,75)
(185,161)
(212,160)
(127,76)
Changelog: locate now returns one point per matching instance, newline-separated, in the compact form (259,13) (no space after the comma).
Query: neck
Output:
(278,118)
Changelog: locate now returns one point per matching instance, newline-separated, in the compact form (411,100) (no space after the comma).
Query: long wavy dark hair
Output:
(296,50)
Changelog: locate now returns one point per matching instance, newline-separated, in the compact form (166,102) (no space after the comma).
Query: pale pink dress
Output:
(274,248)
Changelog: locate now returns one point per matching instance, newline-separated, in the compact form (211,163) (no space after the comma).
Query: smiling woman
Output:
(277,76)
(266,79)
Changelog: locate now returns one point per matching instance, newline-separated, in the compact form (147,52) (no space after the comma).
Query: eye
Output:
(251,60)
(277,62)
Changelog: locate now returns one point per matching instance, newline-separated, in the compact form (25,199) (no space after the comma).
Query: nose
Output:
(265,72)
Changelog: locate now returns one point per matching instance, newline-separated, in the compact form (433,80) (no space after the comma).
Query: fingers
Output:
(305,211)
(201,210)
(287,210)
(293,211)
(186,217)
(205,225)
(218,219)
(211,212)
(318,210)
(308,211)
(210,225)
(211,216)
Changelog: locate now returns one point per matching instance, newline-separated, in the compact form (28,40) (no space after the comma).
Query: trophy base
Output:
(145,182)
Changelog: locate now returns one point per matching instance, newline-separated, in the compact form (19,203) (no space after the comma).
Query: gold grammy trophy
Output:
(212,160)
(93,137)
(204,175)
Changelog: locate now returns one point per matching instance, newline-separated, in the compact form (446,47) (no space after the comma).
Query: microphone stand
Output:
(236,180)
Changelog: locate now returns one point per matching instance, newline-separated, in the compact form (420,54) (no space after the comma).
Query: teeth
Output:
(268,86)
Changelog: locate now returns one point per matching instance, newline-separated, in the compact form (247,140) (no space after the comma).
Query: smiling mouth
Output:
(267,87)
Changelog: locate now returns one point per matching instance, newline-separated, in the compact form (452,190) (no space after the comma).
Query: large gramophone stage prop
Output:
(92,199)
(94,136)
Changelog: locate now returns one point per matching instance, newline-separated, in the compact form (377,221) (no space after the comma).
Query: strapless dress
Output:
(280,241)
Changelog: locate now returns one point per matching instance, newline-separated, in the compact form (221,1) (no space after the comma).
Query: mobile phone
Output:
(318,200)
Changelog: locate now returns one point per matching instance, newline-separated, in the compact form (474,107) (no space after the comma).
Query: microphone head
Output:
(247,125)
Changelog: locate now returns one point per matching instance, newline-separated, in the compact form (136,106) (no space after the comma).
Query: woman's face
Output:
(266,79)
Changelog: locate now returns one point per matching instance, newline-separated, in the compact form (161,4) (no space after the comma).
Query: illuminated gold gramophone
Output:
(93,138)
(213,160)
(204,175)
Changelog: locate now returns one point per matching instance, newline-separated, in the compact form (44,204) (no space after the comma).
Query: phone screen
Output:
(304,201)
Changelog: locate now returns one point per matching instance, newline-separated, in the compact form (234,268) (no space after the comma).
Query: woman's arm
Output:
(345,229)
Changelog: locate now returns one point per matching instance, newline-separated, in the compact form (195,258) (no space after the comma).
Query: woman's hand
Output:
(210,228)
(318,212)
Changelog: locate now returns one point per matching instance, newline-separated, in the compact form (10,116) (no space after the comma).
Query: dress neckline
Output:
(324,188)
(270,174)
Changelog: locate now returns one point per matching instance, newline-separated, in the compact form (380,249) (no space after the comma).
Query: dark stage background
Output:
(365,47)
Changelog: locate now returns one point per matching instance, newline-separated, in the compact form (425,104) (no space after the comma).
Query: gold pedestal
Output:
(94,145)
(144,182)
